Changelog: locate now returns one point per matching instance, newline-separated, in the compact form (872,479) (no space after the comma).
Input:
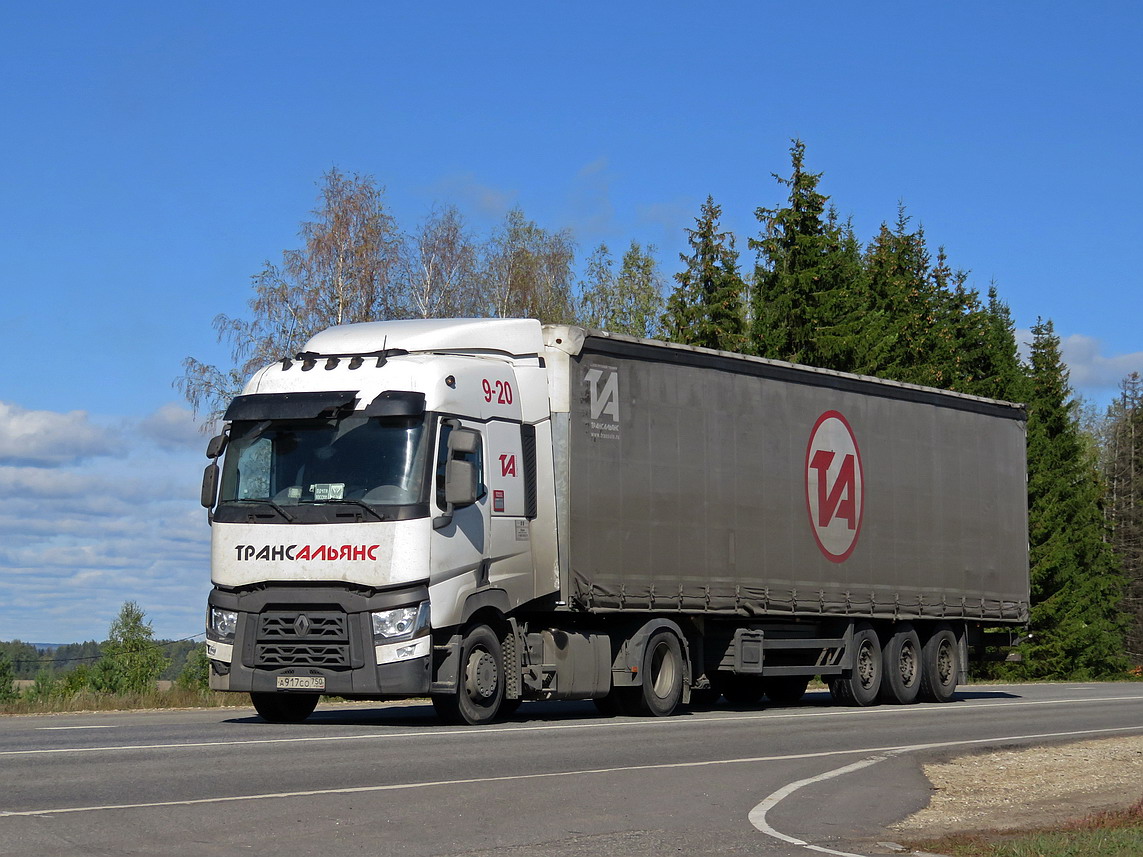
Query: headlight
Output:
(402,623)
(223,623)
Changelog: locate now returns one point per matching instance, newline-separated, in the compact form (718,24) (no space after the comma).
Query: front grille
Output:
(302,655)
(300,638)
(302,625)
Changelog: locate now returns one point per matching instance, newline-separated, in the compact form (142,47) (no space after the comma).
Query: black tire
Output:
(940,666)
(743,689)
(862,685)
(785,689)
(662,673)
(480,685)
(284,707)
(901,665)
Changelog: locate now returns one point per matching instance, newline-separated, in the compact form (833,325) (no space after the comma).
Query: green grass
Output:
(90,701)
(1106,834)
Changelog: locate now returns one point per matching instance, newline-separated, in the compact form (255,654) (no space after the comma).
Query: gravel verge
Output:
(1029,787)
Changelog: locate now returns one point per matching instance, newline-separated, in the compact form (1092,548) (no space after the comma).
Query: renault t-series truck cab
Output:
(487,511)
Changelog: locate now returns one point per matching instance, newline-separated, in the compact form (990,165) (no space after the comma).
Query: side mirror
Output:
(460,483)
(462,441)
(216,446)
(210,485)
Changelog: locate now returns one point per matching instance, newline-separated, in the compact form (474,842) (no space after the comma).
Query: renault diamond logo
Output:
(302,625)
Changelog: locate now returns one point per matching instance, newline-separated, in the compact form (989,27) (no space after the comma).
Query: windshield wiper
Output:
(364,506)
(266,502)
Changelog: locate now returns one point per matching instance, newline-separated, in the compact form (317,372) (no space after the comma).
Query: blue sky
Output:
(154,155)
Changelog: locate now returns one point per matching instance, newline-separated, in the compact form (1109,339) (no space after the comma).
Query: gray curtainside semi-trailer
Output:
(491,511)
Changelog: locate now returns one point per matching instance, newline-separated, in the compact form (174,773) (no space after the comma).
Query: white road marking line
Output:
(63,728)
(709,763)
(757,816)
(730,718)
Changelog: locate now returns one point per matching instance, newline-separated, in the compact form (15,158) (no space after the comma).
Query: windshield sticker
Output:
(328,491)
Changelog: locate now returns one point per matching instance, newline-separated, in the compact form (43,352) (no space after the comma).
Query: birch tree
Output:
(344,271)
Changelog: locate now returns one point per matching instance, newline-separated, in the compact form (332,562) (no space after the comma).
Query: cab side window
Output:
(477,458)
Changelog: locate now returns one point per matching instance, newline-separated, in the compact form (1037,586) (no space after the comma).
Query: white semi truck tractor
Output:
(489,511)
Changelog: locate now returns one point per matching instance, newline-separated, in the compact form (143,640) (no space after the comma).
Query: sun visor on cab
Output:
(291,406)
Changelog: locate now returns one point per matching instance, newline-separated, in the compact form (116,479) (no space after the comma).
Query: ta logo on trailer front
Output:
(835,486)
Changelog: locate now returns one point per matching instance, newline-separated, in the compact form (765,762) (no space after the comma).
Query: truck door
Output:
(459,549)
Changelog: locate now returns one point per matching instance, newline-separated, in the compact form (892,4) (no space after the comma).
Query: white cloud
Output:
(50,438)
(470,194)
(1090,368)
(1093,374)
(173,427)
(81,532)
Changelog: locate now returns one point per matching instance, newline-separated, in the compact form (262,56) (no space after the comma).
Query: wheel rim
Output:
(908,664)
(866,665)
(663,674)
(481,676)
(945,663)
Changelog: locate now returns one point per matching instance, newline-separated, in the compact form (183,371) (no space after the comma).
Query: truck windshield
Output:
(352,461)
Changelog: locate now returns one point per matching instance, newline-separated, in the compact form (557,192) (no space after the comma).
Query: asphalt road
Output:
(554,780)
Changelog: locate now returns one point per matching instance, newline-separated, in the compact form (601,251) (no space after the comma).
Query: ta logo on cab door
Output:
(835,486)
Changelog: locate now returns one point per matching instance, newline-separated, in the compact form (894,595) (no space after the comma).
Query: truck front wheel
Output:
(284,707)
(480,685)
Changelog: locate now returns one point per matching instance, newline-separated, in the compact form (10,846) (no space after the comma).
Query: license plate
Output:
(301,682)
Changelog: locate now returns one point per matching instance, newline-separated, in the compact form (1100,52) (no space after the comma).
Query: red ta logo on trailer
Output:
(835,486)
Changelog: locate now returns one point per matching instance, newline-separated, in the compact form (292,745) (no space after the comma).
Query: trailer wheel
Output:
(480,685)
(786,689)
(901,666)
(284,707)
(940,666)
(863,683)
(662,675)
(743,689)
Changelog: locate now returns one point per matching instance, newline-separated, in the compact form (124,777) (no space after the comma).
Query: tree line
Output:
(129,662)
(813,293)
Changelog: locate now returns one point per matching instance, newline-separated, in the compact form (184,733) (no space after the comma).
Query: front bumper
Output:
(301,631)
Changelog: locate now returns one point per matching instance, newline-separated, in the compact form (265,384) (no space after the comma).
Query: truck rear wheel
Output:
(480,685)
(940,666)
(284,707)
(662,675)
(901,666)
(863,683)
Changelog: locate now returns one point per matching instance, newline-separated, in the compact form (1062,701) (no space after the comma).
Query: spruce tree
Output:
(706,307)
(1077,629)
(908,325)
(808,298)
